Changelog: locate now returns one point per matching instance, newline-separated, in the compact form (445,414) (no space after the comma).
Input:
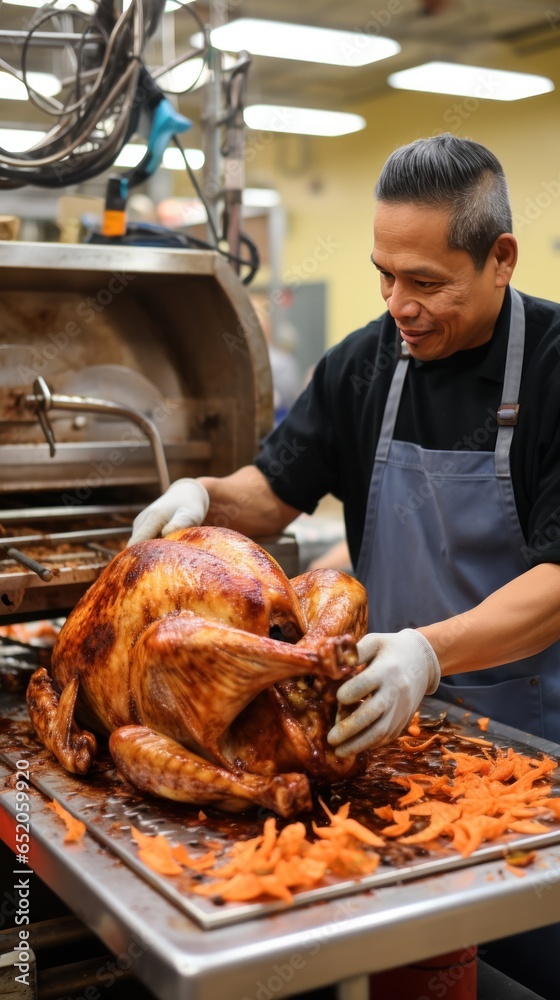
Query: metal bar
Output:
(91,534)
(51,513)
(12,37)
(78,979)
(42,571)
(44,934)
(101,549)
(61,557)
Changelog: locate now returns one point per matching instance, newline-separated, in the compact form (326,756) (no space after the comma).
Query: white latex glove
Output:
(183,505)
(402,668)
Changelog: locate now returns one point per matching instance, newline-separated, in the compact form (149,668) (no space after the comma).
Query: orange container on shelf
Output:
(452,975)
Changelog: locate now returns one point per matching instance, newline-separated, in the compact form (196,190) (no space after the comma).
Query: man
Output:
(438,426)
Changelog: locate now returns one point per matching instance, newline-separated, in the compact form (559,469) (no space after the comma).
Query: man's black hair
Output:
(456,174)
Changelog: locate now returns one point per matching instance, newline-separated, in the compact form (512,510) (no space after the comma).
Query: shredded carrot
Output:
(528,826)
(414,727)
(417,747)
(415,791)
(274,863)
(156,853)
(478,740)
(74,827)
(386,812)
(182,856)
(485,794)
(491,794)
(483,723)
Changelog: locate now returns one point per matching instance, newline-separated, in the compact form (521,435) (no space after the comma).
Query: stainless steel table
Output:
(339,940)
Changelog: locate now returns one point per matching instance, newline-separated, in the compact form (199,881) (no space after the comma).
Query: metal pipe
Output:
(92,534)
(42,514)
(44,400)
(42,571)
(12,37)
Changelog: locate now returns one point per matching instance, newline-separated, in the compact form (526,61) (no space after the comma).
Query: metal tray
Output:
(108,810)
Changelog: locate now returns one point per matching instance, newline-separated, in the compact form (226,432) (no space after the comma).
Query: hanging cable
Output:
(99,106)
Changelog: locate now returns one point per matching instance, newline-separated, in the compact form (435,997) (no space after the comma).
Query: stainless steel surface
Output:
(316,945)
(109,811)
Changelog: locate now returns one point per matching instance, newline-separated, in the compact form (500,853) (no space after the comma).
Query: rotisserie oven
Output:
(120,369)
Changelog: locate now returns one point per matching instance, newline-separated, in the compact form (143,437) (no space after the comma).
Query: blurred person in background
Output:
(287,379)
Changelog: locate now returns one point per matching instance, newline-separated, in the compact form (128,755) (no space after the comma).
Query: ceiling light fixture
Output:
(186,76)
(470,81)
(303,121)
(19,140)
(131,155)
(85,6)
(12,89)
(281,40)
(90,6)
(260,197)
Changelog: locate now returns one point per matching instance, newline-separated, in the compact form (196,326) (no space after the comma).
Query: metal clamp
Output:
(44,403)
(404,352)
(507,414)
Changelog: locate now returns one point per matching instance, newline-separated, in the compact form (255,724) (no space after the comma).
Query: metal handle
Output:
(44,400)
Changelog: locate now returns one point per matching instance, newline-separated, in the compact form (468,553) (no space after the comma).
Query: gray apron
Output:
(441,534)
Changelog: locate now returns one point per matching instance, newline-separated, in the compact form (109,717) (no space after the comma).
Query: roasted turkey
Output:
(214,675)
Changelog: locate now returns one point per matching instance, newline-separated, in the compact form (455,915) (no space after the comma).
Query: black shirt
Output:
(327,442)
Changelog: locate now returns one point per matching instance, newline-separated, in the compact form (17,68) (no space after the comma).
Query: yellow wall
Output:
(327,187)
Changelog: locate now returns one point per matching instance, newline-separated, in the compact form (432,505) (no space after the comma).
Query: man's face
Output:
(439,301)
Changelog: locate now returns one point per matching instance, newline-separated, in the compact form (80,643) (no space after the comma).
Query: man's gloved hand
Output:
(183,505)
(402,668)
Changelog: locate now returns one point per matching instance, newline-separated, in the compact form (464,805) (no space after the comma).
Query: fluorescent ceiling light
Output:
(189,75)
(19,140)
(470,81)
(260,197)
(12,89)
(186,76)
(171,6)
(85,6)
(172,159)
(304,121)
(131,154)
(281,40)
